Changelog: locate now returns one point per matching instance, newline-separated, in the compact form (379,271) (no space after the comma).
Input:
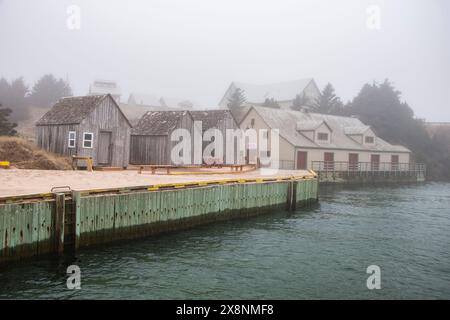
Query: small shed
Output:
(90,126)
(221,120)
(151,137)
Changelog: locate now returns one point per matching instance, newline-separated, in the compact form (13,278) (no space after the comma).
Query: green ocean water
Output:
(317,253)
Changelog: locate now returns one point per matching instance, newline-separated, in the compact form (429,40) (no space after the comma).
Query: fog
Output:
(194,49)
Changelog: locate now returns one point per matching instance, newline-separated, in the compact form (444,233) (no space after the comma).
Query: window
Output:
(369,139)
(252,123)
(88,140)
(322,136)
(328,158)
(72,139)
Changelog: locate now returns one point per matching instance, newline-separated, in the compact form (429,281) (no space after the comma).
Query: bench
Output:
(88,160)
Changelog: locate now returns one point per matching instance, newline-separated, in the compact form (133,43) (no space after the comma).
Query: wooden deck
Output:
(17,182)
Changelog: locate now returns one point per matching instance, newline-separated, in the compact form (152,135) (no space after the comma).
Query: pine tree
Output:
(381,107)
(271,103)
(48,90)
(13,97)
(6,127)
(328,102)
(237,99)
(300,102)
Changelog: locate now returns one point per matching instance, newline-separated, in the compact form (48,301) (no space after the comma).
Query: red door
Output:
(375,162)
(328,157)
(394,162)
(302,160)
(353,159)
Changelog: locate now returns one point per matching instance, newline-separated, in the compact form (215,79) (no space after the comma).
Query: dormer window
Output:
(322,136)
(369,139)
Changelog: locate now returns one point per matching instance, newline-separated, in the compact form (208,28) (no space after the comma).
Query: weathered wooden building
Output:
(222,120)
(151,138)
(92,126)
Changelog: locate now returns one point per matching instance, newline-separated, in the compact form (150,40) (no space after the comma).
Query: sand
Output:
(15,182)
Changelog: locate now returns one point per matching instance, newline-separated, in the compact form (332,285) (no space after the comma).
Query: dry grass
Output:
(24,155)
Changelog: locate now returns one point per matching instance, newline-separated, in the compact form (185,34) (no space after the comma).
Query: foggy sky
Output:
(195,48)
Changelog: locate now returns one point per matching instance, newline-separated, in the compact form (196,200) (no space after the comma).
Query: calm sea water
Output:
(322,252)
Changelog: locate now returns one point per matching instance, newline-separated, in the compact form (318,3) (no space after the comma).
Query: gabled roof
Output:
(358,130)
(239,113)
(211,118)
(70,110)
(73,110)
(280,91)
(286,121)
(311,125)
(158,123)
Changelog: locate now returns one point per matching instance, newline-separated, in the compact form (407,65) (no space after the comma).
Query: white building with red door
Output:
(319,141)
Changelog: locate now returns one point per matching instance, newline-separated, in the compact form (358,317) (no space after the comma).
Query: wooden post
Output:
(59,222)
(289,196)
(76,195)
(294,195)
(74,163)
(89,164)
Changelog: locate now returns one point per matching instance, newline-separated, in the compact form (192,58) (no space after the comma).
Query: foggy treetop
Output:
(196,48)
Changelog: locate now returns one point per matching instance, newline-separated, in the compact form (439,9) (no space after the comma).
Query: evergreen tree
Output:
(328,102)
(13,97)
(300,102)
(48,90)
(237,99)
(381,107)
(6,127)
(271,103)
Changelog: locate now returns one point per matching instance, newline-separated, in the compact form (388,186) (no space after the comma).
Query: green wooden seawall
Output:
(63,222)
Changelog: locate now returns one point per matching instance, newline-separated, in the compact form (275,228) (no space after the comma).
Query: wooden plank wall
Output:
(106,117)
(29,229)
(156,149)
(148,149)
(55,138)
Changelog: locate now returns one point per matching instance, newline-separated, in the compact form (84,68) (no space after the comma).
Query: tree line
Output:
(380,106)
(16,98)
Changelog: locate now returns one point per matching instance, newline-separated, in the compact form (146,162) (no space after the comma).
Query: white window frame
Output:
(326,140)
(84,140)
(373,139)
(74,139)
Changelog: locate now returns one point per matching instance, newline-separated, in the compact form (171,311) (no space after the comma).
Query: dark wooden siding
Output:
(222,125)
(156,149)
(148,150)
(105,117)
(55,138)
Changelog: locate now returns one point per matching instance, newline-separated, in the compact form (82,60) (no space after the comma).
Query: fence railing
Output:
(343,166)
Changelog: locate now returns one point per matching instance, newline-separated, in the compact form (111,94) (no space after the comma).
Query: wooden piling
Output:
(67,221)
(60,204)
(76,196)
